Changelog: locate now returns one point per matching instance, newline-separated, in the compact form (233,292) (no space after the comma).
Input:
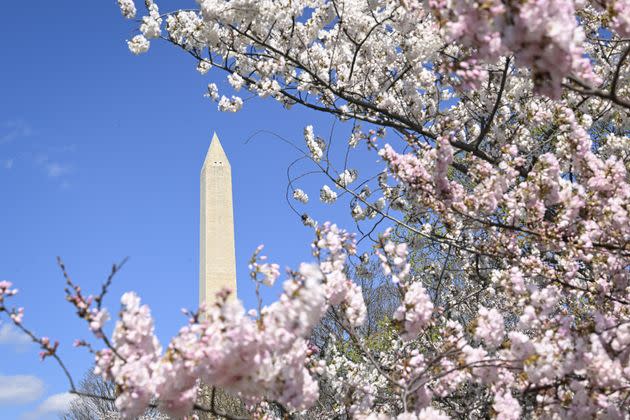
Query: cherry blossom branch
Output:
(94,317)
(16,317)
(488,124)
(615,79)
(589,90)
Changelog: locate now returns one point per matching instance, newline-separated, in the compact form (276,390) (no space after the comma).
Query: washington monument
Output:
(217,255)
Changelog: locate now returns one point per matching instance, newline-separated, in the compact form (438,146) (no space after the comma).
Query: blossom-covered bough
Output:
(503,132)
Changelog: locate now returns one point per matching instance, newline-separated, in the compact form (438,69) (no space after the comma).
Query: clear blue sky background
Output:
(100,153)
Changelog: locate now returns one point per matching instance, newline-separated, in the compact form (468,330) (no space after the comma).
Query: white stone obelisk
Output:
(217,260)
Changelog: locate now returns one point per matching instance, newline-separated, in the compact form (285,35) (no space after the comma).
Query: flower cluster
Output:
(138,44)
(327,195)
(347,177)
(315,145)
(6,290)
(415,312)
(300,196)
(151,24)
(269,271)
(233,104)
(490,327)
(16,314)
(133,362)
(393,257)
(127,8)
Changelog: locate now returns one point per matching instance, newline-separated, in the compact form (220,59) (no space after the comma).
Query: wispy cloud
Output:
(14,129)
(20,389)
(56,169)
(11,336)
(55,404)
(50,159)
(53,169)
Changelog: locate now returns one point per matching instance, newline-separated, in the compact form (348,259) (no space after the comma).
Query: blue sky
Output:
(100,153)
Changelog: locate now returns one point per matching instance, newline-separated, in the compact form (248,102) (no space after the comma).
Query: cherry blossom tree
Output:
(499,216)
(102,404)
